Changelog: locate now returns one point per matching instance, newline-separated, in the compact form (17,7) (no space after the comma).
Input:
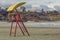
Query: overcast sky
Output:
(32,2)
(29,1)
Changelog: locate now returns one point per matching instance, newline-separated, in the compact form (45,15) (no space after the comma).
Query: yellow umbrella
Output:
(11,8)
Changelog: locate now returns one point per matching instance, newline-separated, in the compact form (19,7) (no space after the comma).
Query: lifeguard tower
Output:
(17,17)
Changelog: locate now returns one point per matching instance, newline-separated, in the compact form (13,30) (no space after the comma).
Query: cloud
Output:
(49,3)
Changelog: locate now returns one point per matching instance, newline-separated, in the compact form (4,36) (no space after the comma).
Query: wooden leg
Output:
(15,30)
(11,28)
(25,29)
(21,29)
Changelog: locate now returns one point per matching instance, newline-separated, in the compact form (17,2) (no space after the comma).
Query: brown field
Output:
(35,34)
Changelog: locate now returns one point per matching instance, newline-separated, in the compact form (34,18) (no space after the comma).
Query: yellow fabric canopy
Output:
(11,8)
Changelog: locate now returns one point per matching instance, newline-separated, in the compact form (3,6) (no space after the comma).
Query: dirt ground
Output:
(35,34)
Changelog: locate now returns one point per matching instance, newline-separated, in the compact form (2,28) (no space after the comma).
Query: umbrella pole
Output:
(11,28)
(15,29)
(21,29)
(25,29)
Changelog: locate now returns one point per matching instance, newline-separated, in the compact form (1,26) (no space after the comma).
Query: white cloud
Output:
(34,3)
(51,4)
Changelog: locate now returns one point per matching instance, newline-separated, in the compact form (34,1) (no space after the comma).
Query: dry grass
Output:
(35,34)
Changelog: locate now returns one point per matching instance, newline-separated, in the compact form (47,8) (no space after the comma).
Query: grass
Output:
(35,34)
